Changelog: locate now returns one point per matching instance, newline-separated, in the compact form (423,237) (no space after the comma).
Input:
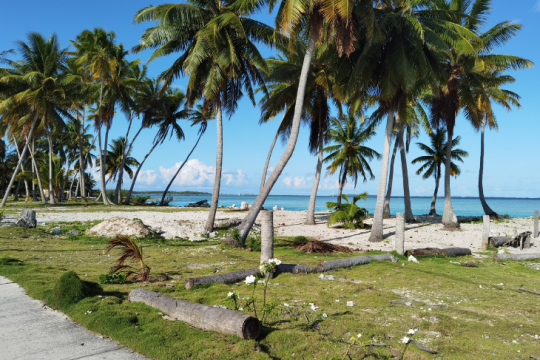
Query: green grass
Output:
(465,321)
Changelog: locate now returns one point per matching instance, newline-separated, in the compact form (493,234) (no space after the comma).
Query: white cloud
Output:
(287,181)
(147,177)
(297,182)
(197,173)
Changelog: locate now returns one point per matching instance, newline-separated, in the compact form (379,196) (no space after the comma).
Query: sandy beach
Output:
(427,232)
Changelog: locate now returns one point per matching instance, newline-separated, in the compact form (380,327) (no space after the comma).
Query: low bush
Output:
(140,200)
(70,289)
(112,278)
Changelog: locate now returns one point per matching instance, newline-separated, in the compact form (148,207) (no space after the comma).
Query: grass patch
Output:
(70,289)
(455,316)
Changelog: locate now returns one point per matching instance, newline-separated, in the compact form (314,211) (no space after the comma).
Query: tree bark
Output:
(433,210)
(178,171)
(102,159)
(386,209)
(399,241)
(409,217)
(201,316)
(128,198)
(377,227)
(263,178)
(449,218)
(312,199)
(52,199)
(267,235)
(40,186)
(22,168)
(217,179)
(229,278)
(341,184)
(454,251)
(247,222)
(487,210)
(358,260)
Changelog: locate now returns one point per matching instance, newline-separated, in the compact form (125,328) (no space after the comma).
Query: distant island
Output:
(173,192)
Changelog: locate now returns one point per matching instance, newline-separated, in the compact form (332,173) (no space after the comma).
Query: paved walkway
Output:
(30,331)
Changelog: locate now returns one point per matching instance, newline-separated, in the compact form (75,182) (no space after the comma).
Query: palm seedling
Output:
(348,214)
(129,250)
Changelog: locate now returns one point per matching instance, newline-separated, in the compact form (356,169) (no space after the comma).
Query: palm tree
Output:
(218,53)
(8,159)
(349,215)
(201,116)
(349,155)
(435,158)
(117,162)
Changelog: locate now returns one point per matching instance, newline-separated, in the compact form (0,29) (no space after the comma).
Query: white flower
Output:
(324,316)
(241,308)
(350,303)
(429,309)
(411,332)
(405,340)
(275,262)
(262,268)
(250,280)
(413,259)
(230,294)
(337,300)
(359,336)
(313,307)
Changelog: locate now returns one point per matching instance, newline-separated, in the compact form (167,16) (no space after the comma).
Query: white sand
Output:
(428,232)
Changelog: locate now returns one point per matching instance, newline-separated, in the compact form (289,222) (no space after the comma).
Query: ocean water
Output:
(515,207)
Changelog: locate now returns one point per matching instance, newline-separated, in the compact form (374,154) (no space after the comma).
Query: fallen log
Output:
(422,347)
(228,278)
(297,269)
(498,241)
(453,251)
(358,260)
(515,257)
(202,316)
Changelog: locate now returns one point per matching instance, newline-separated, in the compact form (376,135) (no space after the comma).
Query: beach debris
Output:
(413,259)
(73,232)
(27,219)
(244,206)
(326,277)
(350,303)
(522,240)
(202,203)
(56,231)
(452,251)
(277,208)
(119,226)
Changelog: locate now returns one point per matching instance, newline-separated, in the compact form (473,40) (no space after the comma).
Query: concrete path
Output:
(30,331)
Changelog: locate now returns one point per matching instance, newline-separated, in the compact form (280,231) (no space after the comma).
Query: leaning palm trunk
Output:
(52,199)
(407,196)
(487,210)
(341,185)
(40,186)
(128,198)
(449,218)
(433,211)
(311,208)
(102,159)
(125,151)
(386,211)
(16,170)
(377,227)
(81,161)
(177,171)
(248,221)
(22,168)
(217,180)
(265,171)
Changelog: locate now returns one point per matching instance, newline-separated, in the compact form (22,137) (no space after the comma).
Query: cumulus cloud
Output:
(197,173)
(147,177)
(297,182)
(287,181)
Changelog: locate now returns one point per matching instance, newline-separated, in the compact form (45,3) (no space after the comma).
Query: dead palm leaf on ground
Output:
(129,250)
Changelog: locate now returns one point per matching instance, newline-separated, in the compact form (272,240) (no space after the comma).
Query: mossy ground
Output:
(462,312)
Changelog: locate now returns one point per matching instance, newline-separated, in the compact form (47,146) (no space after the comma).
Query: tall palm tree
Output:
(435,158)
(349,155)
(201,116)
(116,160)
(218,53)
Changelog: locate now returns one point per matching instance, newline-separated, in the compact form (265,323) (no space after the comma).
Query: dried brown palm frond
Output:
(129,250)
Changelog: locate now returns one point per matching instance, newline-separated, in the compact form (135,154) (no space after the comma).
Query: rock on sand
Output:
(119,226)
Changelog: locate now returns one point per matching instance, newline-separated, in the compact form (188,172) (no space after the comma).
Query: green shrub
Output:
(301,239)
(236,236)
(112,278)
(70,289)
(348,214)
(140,200)
(253,243)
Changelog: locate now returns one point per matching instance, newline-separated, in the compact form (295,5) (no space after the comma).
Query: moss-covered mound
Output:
(70,289)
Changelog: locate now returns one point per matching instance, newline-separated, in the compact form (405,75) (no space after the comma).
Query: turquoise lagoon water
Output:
(515,207)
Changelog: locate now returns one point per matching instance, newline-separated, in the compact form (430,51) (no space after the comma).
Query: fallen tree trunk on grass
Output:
(453,251)
(515,257)
(358,260)
(498,241)
(228,278)
(204,317)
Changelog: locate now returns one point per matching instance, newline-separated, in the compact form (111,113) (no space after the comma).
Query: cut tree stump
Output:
(453,251)
(358,260)
(515,257)
(202,316)
(228,278)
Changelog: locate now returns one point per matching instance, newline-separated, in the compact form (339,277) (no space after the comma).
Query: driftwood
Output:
(204,317)
(515,257)
(228,278)
(453,251)
(522,240)
(358,260)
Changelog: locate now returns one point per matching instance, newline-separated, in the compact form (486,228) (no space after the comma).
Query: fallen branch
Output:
(527,291)
(453,251)
(515,257)
(204,317)
(422,347)
(358,260)
(228,278)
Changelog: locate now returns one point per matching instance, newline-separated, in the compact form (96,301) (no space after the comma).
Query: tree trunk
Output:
(128,198)
(341,185)
(407,196)
(217,180)
(248,221)
(17,189)
(81,160)
(177,171)
(205,317)
(22,169)
(487,210)
(433,210)
(34,195)
(386,209)
(105,151)
(263,178)
(52,199)
(40,186)
(101,155)
(311,207)
(267,235)
(117,197)
(228,278)
(12,180)
(377,227)
(77,186)
(449,218)
(358,260)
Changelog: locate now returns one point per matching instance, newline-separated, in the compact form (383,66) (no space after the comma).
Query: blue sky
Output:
(510,161)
